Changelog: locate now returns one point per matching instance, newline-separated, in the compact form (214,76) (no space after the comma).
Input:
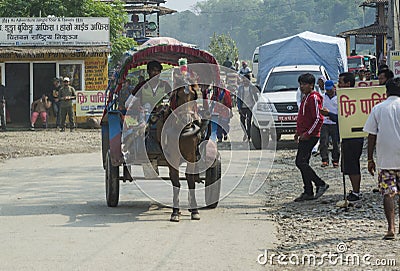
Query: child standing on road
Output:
(309,122)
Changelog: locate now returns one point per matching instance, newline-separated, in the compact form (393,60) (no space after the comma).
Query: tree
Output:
(252,23)
(223,46)
(119,47)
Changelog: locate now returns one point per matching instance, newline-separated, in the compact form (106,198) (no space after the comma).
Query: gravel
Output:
(15,144)
(318,227)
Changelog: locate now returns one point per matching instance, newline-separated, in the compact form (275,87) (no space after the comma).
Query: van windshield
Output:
(354,63)
(286,81)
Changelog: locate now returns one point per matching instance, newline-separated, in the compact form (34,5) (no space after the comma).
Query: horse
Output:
(183,118)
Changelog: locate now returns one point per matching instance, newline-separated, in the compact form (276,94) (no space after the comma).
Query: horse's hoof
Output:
(195,216)
(175,215)
(174,218)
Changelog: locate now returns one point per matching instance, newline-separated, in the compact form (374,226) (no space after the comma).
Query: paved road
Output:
(53,216)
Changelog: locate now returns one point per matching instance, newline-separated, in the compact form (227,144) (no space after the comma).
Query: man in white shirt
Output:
(383,127)
(245,69)
(330,127)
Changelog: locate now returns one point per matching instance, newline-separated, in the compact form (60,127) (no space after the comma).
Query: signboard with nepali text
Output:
(371,83)
(90,103)
(96,73)
(395,63)
(354,107)
(54,31)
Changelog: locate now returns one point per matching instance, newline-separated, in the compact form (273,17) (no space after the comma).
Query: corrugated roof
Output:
(144,6)
(373,30)
(32,51)
(137,1)
(149,9)
(373,3)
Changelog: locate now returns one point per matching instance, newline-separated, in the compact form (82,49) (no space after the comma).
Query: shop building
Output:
(33,51)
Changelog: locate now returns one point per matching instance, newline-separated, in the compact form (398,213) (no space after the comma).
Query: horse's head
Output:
(183,102)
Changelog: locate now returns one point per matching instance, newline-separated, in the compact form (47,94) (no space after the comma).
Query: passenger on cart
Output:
(149,94)
(147,98)
(153,90)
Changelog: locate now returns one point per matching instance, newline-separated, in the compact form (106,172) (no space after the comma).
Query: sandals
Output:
(389,236)
(324,164)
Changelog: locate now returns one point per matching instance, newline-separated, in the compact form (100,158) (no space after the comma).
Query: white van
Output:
(255,62)
(275,112)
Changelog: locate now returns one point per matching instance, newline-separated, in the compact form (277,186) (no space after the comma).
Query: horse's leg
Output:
(174,176)
(159,127)
(191,177)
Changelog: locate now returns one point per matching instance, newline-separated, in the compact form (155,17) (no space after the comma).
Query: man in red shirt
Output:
(309,123)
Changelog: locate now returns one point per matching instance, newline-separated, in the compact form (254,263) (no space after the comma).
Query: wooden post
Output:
(348,51)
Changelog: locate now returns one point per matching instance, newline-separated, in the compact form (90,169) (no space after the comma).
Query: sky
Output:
(180,5)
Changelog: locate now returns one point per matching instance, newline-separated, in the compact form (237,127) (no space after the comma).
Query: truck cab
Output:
(356,63)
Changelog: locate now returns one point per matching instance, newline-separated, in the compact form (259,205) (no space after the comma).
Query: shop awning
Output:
(33,51)
(373,29)
(148,9)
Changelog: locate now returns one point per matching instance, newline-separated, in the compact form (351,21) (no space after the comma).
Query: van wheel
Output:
(259,141)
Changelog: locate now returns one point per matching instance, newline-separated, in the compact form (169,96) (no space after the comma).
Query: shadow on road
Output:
(90,214)
(237,145)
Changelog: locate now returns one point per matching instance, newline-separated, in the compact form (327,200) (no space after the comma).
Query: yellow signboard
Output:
(395,62)
(354,107)
(90,103)
(363,84)
(96,74)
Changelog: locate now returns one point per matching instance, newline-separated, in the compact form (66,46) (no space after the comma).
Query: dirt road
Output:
(53,216)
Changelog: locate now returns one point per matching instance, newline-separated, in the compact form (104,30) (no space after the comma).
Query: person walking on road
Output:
(247,97)
(244,69)
(383,128)
(309,122)
(227,63)
(66,95)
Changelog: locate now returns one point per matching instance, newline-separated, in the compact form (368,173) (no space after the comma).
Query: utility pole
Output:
(393,25)
(396,38)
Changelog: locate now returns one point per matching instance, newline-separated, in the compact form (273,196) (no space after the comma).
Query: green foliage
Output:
(119,47)
(222,46)
(252,23)
(115,12)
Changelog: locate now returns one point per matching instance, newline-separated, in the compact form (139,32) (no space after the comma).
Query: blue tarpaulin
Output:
(306,48)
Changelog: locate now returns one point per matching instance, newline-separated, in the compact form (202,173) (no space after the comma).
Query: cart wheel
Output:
(213,184)
(112,182)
